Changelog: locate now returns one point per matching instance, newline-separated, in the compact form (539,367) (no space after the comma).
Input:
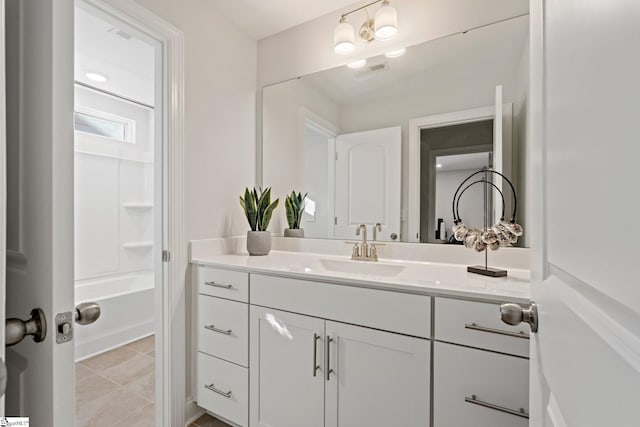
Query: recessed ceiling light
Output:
(439,165)
(97,77)
(357,64)
(396,53)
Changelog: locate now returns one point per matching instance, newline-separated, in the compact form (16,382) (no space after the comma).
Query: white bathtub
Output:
(127,303)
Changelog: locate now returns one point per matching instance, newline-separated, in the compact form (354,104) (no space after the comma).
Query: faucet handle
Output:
(355,253)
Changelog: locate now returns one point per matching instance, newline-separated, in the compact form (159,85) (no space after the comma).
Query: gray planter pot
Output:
(258,242)
(294,232)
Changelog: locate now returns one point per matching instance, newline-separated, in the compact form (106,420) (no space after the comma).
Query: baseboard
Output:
(102,343)
(192,411)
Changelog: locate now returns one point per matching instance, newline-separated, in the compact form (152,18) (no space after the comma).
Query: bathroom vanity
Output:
(297,339)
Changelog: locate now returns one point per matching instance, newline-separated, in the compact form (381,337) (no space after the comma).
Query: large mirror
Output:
(391,141)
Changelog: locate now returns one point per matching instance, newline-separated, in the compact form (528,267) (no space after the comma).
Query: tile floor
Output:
(117,389)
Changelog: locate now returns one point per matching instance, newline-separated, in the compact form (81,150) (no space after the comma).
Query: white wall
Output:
(316,182)
(523,148)
(220,107)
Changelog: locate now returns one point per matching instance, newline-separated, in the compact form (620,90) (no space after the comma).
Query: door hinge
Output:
(336,155)
(335,220)
(166,256)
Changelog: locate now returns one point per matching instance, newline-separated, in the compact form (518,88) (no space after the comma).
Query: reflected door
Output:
(368,180)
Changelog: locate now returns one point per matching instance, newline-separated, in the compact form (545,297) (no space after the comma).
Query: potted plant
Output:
(258,208)
(294,205)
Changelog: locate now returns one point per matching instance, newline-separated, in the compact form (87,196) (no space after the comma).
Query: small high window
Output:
(104,125)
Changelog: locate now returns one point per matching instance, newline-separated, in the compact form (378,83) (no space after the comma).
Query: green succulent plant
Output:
(294,205)
(258,208)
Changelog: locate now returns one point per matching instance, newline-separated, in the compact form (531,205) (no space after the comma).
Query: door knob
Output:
(87,313)
(513,314)
(393,236)
(17,329)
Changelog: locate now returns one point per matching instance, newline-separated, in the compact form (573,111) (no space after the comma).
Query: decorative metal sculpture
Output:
(503,233)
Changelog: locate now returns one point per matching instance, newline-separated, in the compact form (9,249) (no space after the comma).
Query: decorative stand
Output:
(488,237)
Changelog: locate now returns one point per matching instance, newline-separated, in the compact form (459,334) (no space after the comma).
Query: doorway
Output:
(118,196)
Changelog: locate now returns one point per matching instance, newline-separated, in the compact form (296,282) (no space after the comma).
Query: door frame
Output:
(3,191)
(435,121)
(171,361)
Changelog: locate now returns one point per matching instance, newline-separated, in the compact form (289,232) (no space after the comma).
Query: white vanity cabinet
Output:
(481,367)
(278,351)
(311,372)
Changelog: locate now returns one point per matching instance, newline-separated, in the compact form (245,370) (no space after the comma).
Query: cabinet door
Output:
(479,388)
(377,379)
(287,387)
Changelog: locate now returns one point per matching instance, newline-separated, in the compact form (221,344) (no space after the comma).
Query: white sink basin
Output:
(362,267)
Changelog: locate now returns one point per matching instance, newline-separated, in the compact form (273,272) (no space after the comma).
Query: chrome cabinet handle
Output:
(220,331)
(316,337)
(476,327)
(218,285)
(328,357)
(475,401)
(212,387)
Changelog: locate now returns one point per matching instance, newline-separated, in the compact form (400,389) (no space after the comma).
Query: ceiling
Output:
(262,18)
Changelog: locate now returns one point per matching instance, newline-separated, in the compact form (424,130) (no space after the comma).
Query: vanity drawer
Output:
(223,283)
(478,324)
(385,310)
(223,329)
(223,389)
(479,388)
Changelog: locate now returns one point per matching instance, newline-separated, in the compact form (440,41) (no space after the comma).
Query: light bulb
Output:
(396,53)
(357,64)
(386,22)
(344,38)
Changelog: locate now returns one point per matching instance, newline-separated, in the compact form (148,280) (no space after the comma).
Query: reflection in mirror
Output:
(366,143)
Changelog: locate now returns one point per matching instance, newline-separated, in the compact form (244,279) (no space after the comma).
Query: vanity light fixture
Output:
(97,77)
(357,64)
(396,53)
(383,27)
(439,165)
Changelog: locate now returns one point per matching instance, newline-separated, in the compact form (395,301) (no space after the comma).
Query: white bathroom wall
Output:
(523,147)
(220,91)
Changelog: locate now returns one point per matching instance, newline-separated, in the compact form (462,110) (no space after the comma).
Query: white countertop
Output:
(438,279)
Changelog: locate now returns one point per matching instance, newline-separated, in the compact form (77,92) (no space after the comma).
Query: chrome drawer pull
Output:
(218,285)
(220,331)
(316,337)
(475,327)
(328,357)
(220,392)
(474,400)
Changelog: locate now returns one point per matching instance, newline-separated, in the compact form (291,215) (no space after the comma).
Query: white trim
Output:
(171,328)
(433,121)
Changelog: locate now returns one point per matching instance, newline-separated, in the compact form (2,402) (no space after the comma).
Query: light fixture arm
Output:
(344,15)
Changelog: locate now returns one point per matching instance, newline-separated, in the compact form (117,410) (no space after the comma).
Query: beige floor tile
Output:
(109,359)
(146,417)
(144,345)
(101,403)
(144,385)
(82,372)
(130,370)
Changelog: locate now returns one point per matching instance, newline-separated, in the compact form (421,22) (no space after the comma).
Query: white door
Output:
(3,205)
(378,379)
(286,377)
(585,358)
(368,182)
(40,204)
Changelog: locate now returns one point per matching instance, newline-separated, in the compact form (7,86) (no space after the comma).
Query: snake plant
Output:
(294,204)
(258,208)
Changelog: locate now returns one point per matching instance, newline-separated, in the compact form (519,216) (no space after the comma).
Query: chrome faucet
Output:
(363,251)
(377,227)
